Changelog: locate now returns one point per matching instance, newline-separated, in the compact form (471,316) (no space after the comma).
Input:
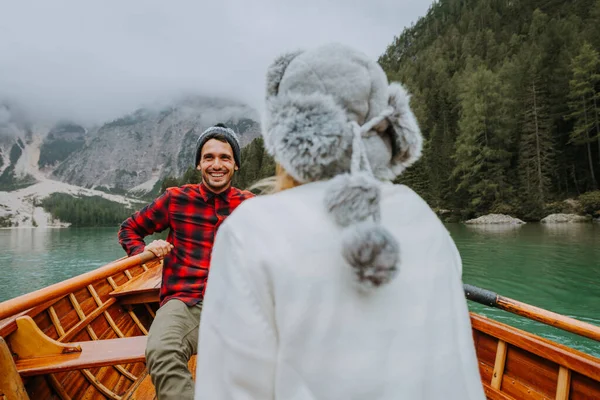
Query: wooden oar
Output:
(29,300)
(491,299)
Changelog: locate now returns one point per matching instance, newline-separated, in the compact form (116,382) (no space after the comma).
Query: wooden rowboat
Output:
(85,338)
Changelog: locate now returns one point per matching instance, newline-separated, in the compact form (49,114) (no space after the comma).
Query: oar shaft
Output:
(491,299)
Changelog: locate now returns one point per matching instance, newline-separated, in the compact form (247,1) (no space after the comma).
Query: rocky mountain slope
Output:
(134,153)
(120,160)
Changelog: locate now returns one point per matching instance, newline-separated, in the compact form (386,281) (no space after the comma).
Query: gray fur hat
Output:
(332,115)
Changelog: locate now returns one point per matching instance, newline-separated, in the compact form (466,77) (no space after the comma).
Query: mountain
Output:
(120,160)
(135,152)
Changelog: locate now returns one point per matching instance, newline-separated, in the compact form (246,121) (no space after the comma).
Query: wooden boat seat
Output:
(95,353)
(143,288)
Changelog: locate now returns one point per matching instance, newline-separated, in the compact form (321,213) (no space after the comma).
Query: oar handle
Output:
(492,299)
(481,296)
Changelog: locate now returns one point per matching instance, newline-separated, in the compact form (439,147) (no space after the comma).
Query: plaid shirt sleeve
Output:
(150,219)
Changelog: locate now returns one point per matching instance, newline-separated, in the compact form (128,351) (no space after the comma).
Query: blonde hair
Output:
(281,181)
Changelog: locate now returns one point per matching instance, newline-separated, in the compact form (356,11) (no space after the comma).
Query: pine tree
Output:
(584,102)
(482,150)
(536,148)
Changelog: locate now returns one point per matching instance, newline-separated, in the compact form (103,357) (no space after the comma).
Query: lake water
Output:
(556,267)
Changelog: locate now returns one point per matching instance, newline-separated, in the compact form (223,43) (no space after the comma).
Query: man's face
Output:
(217,165)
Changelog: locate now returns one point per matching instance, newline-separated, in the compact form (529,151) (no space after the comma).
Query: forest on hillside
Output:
(86,210)
(507,95)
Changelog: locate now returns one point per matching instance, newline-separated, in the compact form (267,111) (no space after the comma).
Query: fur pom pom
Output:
(276,70)
(309,135)
(409,141)
(372,252)
(353,198)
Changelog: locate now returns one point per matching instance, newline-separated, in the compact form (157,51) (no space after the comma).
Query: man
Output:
(193,214)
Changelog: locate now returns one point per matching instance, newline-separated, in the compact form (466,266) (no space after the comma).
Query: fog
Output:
(94,61)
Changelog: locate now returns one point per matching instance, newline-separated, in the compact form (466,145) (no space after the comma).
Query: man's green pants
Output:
(172,340)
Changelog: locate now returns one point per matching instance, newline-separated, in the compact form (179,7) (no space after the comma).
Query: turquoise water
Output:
(556,267)
(553,267)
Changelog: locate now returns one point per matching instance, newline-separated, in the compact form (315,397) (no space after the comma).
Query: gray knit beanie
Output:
(219,130)
(332,115)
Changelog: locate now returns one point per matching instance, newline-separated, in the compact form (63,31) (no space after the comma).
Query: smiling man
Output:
(193,214)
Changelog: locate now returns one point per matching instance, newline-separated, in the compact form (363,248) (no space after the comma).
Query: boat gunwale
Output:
(564,356)
(12,307)
(575,360)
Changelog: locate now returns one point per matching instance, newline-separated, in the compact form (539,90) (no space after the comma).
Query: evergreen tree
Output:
(536,148)
(530,47)
(481,155)
(584,102)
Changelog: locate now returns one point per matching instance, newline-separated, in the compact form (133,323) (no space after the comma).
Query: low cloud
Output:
(94,61)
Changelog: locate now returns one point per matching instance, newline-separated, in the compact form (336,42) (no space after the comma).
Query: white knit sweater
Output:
(282,318)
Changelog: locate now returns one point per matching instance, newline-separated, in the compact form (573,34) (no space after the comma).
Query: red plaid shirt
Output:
(193,213)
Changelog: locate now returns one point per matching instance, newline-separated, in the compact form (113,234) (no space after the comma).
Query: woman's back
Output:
(408,339)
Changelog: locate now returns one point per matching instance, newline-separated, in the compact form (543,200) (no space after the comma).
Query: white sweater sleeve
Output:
(237,339)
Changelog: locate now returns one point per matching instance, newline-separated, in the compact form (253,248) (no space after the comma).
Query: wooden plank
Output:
(486,347)
(113,325)
(138,322)
(529,375)
(94,295)
(485,371)
(499,364)
(9,325)
(11,385)
(143,389)
(112,283)
(575,360)
(150,310)
(514,387)
(76,306)
(126,373)
(109,319)
(495,394)
(99,386)
(93,335)
(583,388)
(27,301)
(56,321)
(58,388)
(141,298)
(147,282)
(82,316)
(85,322)
(29,341)
(564,384)
(93,354)
(67,314)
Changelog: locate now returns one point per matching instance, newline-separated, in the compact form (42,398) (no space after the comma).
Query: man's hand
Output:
(160,248)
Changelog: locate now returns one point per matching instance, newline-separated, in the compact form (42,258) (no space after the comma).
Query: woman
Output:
(343,285)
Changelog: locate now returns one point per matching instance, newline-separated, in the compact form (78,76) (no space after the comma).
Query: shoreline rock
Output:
(565,218)
(495,219)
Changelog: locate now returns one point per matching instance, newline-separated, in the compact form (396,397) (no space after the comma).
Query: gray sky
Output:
(95,60)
